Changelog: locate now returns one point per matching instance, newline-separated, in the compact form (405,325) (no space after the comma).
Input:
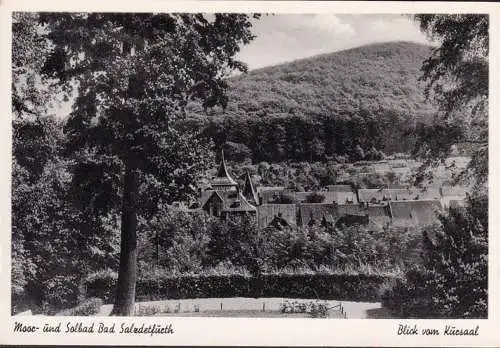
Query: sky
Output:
(286,37)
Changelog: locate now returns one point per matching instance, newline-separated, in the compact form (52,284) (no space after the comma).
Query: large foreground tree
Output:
(133,75)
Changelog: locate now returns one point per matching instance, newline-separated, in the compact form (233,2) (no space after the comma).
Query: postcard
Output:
(249,173)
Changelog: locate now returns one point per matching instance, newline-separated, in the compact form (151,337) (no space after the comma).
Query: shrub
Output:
(318,309)
(452,281)
(60,292)
(102,285)
(88,307)
(315,309)
(358,153)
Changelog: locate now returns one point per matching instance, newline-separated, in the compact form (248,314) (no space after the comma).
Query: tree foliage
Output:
(50,253)
(452,281)
(201,244)
(30,95)
(54,243)
(457,80)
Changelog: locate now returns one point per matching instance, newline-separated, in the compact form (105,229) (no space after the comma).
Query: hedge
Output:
(342,287)
(88,307)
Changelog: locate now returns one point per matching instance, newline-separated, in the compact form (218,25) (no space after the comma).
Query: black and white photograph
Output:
(250,165)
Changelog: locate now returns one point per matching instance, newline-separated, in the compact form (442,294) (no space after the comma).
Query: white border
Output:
(220,331)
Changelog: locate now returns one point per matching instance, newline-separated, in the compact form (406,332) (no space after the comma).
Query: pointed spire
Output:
(222,171)
(223,179)
(249,191)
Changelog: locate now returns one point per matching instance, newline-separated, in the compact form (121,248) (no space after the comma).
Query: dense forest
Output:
(324,106)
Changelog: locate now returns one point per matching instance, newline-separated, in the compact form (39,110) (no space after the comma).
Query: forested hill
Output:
(325,105)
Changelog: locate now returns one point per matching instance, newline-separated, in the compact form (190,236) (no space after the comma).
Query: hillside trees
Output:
(133,75)
(298,113)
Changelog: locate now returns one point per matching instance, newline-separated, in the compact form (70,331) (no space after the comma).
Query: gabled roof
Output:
(379,214)
(455,203)
(417,212)
(271,195)
(222,178)
(342,197)
(206,195)
(349,220)
(429,193)
(350,209)
(330,196)
(315,212)
(249,191)
(270,188)
(232,201)
(267,212)
(427,211)
(395,194)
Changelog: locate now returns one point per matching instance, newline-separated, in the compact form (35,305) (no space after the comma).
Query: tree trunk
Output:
(127,275)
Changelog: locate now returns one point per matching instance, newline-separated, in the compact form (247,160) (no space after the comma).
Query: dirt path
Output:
(354,310)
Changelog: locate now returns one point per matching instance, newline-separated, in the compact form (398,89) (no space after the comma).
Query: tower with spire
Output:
(224,198)
(222,180)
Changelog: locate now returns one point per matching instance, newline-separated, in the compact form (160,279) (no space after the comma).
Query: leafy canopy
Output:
(133,75)
(457,79)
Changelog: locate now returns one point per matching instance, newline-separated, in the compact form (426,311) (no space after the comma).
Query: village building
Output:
(223,197)
(338,205)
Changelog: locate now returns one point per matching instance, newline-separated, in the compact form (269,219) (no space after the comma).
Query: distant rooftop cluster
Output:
(336,205)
